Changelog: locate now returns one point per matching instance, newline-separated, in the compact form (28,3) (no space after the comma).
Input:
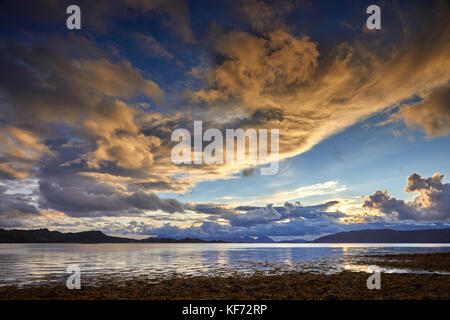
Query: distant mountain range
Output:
(260,239)
(361,236)
(388,236)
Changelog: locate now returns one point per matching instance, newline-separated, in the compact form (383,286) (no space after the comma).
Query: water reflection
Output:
(28,263)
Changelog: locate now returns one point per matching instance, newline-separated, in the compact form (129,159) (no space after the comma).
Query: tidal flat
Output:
(416,276)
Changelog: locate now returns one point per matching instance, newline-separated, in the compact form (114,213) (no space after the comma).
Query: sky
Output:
(87,116)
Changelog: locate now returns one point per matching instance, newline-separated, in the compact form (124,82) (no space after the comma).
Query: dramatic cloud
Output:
(287,220)
(69,189)
(432,113)
(317,94)
(69,122)
(431,204)
(39,87)
(93,127)
(430,208)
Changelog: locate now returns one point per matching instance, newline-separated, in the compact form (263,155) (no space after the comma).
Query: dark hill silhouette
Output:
(46,236)
(388,236)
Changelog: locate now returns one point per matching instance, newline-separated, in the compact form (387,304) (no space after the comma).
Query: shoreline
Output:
(290,285)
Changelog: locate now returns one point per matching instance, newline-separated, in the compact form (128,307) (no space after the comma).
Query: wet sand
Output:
(288,285)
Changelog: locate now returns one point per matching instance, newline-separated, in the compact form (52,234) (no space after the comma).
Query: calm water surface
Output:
(35,263)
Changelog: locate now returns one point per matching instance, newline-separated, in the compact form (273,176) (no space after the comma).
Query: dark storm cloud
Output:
(62,188)
(82,198)
(16,205)
(77,202)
